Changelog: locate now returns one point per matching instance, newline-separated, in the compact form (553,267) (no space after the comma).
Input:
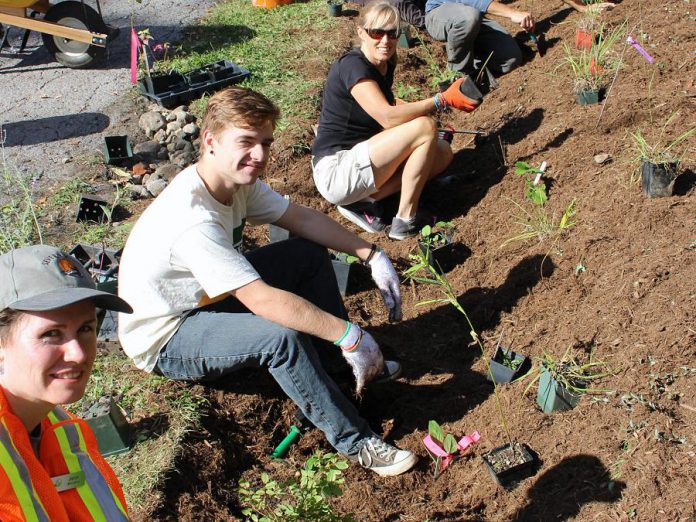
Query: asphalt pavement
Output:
(51,114)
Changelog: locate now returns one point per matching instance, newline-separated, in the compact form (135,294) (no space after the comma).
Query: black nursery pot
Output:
(658,179)
(109,425)
(508,476)
(117,149)
(440,256)
(345,273)
(501,373)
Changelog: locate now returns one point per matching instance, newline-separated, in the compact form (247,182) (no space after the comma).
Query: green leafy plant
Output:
(534,191)
(303,497)
(508,359)
(438,235)
(570,371)
(406,92)
(438,75)
(445,440)
(346,258)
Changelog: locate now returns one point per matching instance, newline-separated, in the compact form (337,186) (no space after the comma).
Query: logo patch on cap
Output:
(68,267)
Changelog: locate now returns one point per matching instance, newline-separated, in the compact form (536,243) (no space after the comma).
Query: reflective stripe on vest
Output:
(101,502)
(16,469)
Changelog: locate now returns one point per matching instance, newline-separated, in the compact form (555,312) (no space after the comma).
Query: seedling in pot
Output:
(443,448)
(563,380)
(436,242)
(505,365)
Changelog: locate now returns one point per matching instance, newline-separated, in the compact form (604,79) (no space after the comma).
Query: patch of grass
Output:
(407,92)
(162,412)
(19,225)
(93,234)
(274,45)
(69,193)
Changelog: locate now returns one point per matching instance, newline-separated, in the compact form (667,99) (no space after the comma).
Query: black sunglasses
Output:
(378,34)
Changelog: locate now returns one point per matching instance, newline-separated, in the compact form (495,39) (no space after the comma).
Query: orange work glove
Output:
(462,94)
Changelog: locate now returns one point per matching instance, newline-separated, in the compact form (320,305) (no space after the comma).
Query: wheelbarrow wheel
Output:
(78,16)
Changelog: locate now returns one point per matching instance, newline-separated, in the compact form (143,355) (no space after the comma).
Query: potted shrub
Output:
(436,243)
(659,160)
(562,381)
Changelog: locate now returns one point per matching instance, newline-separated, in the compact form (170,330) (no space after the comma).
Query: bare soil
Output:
(628,454)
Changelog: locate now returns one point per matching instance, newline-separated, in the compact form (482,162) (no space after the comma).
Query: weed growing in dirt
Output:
(69,193)
(19,225)
(305,496)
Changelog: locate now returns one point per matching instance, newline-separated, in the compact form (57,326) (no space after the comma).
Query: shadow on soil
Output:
(684,183)
(560,492)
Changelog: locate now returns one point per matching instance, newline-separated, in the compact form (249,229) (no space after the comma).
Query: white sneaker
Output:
(382,458)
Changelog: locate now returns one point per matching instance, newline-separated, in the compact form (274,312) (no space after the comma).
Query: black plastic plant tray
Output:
(117,149)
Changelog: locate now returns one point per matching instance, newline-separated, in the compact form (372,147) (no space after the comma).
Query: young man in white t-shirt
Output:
(202,309)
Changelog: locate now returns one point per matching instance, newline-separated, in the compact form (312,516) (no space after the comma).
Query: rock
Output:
(602,158)
(160,136)
(151,122)
(163,154)
(173,126)
(147,150)
(181,108)
(184,159)
(185,117)
(191,129)
(155,186)
(171,117)
(180,134)
(188,147)
(65,160)
(146,177)
(137,180)
(171,146)
(137,192)
(167,171)
(180,144)
(140,169)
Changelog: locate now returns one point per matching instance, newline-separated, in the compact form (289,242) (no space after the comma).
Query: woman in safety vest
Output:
(50,465)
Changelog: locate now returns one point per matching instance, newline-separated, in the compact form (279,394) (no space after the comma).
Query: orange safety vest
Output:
(69,481)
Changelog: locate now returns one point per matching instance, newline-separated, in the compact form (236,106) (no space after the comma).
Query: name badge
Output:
(69,481)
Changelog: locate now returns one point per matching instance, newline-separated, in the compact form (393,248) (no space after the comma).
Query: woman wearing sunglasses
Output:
(50,465)
(370,145)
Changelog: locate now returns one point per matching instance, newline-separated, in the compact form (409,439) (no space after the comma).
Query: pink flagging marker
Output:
(638,47)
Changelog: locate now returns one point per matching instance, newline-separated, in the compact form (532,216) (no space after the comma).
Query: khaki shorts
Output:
(345,177)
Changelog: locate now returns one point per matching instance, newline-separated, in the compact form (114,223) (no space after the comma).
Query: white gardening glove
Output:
(387,281)
(363,355)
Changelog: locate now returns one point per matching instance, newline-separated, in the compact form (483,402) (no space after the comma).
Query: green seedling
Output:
(536,223)
(438,74)
(436,236)
(535,189)
(508,360)
(573,374)
(445,440)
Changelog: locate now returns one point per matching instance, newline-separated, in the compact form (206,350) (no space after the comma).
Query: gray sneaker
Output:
(382,458)
(365,214)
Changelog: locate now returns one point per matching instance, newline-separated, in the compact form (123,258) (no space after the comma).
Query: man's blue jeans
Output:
(215,340)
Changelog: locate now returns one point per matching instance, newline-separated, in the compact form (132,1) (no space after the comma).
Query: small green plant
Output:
(346,258)
(438,235)
(571,372)
(534,189)
(406,92)
(19,225)
(445,440)
(438,74)
(303,497)
(508,359)
(536,223)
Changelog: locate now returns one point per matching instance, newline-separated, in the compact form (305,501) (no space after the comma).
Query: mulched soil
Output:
(617,456)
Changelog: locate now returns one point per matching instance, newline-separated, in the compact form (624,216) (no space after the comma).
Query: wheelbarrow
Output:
(72,31)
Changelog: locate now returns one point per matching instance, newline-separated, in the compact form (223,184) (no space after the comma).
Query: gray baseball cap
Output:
(39,277)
